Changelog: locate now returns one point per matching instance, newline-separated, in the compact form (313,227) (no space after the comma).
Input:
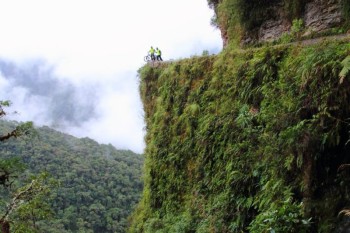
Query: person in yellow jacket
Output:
(158,55)
(151,52)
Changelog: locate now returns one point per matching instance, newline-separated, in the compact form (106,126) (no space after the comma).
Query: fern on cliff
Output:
(234,141)
(346,68)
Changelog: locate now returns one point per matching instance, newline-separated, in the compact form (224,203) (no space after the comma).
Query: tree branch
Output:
(15,201)
(9,135)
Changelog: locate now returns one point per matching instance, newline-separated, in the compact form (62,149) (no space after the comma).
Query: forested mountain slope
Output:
(98,184)
(249,140)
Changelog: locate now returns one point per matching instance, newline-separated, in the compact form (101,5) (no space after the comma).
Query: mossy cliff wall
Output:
(251,21)
(247,141)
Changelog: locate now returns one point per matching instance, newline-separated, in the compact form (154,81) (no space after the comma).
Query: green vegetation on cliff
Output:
(247,141)
(98,184)
(240,18)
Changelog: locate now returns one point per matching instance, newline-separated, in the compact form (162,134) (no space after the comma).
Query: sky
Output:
(72,64)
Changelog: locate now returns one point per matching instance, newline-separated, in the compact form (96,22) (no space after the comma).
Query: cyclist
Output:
(158,55)
(151,52)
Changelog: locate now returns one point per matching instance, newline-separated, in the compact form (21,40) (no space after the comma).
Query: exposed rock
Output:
(322,14)
(270,29)
(273,29)
(318,15)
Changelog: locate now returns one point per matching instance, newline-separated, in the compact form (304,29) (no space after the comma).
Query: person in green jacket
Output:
(151,52)
(158,55)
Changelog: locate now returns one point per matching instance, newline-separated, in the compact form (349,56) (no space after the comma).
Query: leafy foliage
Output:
(346,68)
(29,204)
(21,208)
(247,141)
(97,184)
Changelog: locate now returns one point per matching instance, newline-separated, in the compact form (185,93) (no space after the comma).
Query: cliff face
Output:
(253,140)
(260,21)
(247,142)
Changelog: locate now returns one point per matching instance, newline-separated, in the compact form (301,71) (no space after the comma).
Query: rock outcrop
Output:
(321,15)
(317,15)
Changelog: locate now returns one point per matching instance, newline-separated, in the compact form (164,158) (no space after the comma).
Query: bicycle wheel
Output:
(147,58)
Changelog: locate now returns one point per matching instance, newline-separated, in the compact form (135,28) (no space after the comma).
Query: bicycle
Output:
(148,58)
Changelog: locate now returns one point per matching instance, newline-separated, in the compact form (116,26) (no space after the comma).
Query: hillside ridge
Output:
(98,184)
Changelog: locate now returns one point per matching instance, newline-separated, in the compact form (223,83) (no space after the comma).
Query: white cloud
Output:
(103,42)
(3,81)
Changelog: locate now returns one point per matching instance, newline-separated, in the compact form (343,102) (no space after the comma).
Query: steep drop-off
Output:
(247,141)
(253,140)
